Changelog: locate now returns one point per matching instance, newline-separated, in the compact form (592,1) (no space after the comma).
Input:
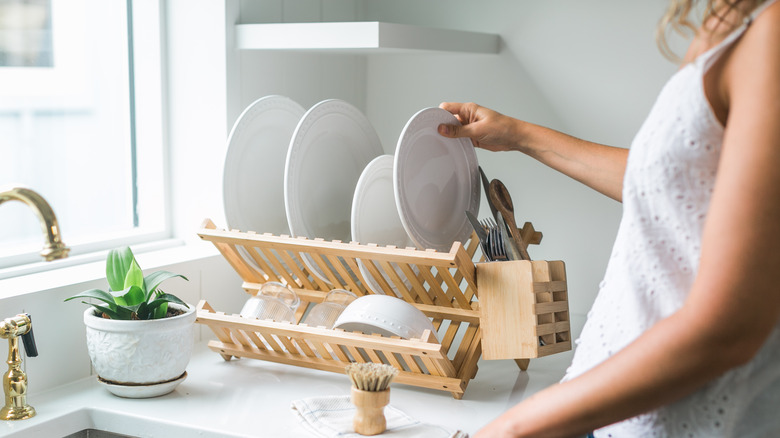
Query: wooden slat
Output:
(362,289)
(347,281)
(436,292)
(284,273)
(555,306)
(292,264)
(319,283)
(320,349)
(288,345)
(304,346)
(449,335)
(378,278)
(320,260)
(433,258)
(256,340)
(230,252)
(549,286)
(416,283)
(338,352)
(412,364)
(401,286)
(449,384)
(556,327)
(464,347)
(453,291)
(558,347)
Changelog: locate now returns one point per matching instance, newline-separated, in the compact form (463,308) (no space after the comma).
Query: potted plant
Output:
(139,338)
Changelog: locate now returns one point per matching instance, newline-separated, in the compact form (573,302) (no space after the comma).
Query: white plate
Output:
(331,146)
(254,165)
(436,180)
(375,216)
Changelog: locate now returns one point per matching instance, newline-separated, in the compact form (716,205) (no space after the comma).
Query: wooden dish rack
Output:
(443,285)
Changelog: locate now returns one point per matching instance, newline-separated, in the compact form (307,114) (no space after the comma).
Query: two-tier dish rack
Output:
(498,310)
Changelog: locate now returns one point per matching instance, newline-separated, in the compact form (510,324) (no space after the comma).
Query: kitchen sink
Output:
(99,423)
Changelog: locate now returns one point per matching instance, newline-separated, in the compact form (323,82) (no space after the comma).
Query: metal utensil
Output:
(486,187)
(507,246)
(481,234)
(499,195)
(495,240)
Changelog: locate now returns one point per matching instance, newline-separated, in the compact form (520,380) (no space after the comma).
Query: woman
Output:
(684,336)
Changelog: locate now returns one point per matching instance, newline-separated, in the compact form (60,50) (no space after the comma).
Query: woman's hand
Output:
(597,166)
(486,128)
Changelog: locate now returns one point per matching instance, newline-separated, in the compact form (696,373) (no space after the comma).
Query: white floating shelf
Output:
(362,37)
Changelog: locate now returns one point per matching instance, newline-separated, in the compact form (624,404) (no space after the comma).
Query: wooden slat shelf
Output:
(443,285)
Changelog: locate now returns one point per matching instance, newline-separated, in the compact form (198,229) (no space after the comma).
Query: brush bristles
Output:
(371,376)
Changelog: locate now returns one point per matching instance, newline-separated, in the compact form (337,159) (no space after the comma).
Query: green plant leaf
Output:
(144,312)
(168,298)
(161,311)
(118,263)
(120,313)
(96,294)
(134,276)
(132,296)
(154,279)
(159,306)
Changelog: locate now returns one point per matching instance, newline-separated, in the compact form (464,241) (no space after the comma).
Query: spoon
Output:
(499,195)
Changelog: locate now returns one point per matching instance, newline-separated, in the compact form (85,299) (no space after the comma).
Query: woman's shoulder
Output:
(766,22)
(761,41)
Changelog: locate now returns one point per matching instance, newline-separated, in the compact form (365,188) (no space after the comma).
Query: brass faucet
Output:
(15,380)
(54,248)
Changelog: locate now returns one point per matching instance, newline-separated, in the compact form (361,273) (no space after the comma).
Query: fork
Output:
(495,239)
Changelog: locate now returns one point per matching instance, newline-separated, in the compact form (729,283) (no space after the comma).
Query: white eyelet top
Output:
(670,175)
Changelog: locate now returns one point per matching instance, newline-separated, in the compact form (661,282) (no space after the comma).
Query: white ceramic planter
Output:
(140,358)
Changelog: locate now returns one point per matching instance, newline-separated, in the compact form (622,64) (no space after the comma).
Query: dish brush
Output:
(370,395)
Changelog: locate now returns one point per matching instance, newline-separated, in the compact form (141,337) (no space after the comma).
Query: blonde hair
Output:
(678,18)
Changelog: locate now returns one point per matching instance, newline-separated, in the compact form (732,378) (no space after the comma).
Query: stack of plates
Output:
(321,173)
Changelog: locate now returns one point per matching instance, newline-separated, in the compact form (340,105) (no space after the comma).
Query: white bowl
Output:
(385,315)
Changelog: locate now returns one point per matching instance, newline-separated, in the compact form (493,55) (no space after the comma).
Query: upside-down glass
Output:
(274,301)
(324,314)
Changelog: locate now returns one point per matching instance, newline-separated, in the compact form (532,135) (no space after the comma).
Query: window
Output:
(81,122)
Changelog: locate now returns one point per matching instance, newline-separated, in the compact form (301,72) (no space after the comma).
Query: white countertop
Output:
(248,398)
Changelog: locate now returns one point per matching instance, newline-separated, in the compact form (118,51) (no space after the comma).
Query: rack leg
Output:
(522,363)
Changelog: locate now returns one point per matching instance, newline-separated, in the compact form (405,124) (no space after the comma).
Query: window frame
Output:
(149,138)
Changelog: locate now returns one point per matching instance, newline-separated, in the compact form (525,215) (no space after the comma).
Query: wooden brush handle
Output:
(370,414)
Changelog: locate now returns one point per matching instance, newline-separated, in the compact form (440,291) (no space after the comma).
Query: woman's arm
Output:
(597,166)
(734,303)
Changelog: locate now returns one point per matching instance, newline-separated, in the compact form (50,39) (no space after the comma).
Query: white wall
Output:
(590,69)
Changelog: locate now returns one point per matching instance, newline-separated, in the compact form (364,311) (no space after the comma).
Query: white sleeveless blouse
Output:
(671,171)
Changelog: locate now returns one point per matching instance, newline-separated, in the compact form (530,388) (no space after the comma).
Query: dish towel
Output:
(332,416)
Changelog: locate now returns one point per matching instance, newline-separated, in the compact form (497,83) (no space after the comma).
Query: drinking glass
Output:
(324,314)
(274,301)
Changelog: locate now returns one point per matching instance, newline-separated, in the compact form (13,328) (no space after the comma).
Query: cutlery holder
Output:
(524,309)
(443,285)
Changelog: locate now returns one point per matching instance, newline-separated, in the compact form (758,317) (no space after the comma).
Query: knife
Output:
(481,234)
(486,187)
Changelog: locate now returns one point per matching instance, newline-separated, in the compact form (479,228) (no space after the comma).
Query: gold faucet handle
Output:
(20,325)
(28,339)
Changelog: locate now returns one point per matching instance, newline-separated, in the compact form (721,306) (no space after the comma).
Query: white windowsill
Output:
(92,266)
